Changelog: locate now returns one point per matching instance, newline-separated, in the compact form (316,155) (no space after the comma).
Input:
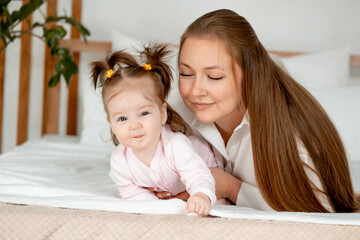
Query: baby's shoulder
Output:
(169,137)
(118,153)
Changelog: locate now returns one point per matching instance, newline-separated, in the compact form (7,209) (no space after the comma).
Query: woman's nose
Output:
(198,87)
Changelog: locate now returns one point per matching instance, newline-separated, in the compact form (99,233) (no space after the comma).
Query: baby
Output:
(152,148)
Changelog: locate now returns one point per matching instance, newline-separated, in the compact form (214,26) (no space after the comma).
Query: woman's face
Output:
(209,80)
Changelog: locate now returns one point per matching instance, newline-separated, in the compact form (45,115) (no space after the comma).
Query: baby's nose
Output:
(135,125)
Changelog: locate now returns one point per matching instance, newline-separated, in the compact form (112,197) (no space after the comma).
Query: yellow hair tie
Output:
(109,73)
(146,66)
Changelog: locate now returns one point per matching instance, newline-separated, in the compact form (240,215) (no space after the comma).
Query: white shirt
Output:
(238,158)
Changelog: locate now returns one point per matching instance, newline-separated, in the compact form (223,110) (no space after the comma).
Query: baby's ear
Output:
(164,114)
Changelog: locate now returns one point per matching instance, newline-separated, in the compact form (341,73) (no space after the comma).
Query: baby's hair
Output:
(120,65)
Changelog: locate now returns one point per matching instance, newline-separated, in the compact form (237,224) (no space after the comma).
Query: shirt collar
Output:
(213,136)
(244,122)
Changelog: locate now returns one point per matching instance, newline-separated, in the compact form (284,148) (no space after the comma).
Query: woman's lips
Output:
(201,106)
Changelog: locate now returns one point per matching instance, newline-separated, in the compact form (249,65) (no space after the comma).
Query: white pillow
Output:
(328,69)
(342,106)
(95,128)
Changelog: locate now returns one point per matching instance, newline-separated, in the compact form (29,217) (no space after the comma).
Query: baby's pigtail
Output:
(176,122)
(156,56)
(97,71)
(121,58)
(110,68)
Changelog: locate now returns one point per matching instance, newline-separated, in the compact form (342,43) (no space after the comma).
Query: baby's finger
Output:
(207,211)
(190,207)
(197,207)
(201,211)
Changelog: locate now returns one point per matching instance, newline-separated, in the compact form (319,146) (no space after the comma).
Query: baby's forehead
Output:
(130,83)
(139,86)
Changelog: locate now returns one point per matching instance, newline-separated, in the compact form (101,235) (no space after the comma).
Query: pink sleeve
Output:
(128,190)
(203,149)
(191,167)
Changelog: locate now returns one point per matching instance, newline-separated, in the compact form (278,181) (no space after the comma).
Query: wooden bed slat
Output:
(24,83)
(73,86)
(2,72)
(355,60)
(50,119)
(77,45)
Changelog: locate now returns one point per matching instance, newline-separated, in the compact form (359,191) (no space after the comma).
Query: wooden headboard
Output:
(51,99)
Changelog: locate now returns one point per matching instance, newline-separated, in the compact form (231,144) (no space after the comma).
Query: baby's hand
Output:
(199,203)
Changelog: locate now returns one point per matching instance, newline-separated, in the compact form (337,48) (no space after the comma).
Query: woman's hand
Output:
(167,195)
(226,185)
(199,203)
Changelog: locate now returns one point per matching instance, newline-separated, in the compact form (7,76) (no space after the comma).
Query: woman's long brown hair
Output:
(125,66)
(281,112)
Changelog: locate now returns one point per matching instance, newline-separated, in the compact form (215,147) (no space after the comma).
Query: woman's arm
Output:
(226,185)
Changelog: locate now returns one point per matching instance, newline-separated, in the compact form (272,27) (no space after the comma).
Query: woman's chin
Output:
(204,118)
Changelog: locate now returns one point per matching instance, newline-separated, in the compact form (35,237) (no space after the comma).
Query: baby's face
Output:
(135,116)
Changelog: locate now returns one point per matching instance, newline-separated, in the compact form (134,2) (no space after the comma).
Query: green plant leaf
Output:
(63,53)
(26,10)
(54,80)
(81,28)
(70,68)
(65,66)
(53,36)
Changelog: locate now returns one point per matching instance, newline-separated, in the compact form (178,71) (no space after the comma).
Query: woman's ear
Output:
(164,113)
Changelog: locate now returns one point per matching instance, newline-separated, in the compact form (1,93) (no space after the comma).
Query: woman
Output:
(281,150)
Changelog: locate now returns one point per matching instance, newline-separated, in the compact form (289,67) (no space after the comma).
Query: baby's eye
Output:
(145,113)
(121,119)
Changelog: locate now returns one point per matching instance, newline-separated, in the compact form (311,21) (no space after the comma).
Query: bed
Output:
(58,187)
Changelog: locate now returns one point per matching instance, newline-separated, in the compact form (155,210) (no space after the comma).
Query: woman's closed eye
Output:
(215,77)
(185,74)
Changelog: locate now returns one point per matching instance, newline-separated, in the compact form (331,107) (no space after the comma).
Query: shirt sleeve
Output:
(250,196)
(128,190)
(191,167)
(204,150)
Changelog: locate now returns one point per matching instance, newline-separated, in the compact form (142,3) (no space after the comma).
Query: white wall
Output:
(303,25)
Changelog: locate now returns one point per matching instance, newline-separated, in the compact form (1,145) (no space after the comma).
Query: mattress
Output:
(52,181)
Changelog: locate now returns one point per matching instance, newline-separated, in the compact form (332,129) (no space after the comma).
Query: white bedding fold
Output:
(50,172)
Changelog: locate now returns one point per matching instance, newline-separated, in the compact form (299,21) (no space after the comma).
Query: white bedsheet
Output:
(62,173)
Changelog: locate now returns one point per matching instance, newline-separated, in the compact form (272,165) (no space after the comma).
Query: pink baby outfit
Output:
(176,167)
